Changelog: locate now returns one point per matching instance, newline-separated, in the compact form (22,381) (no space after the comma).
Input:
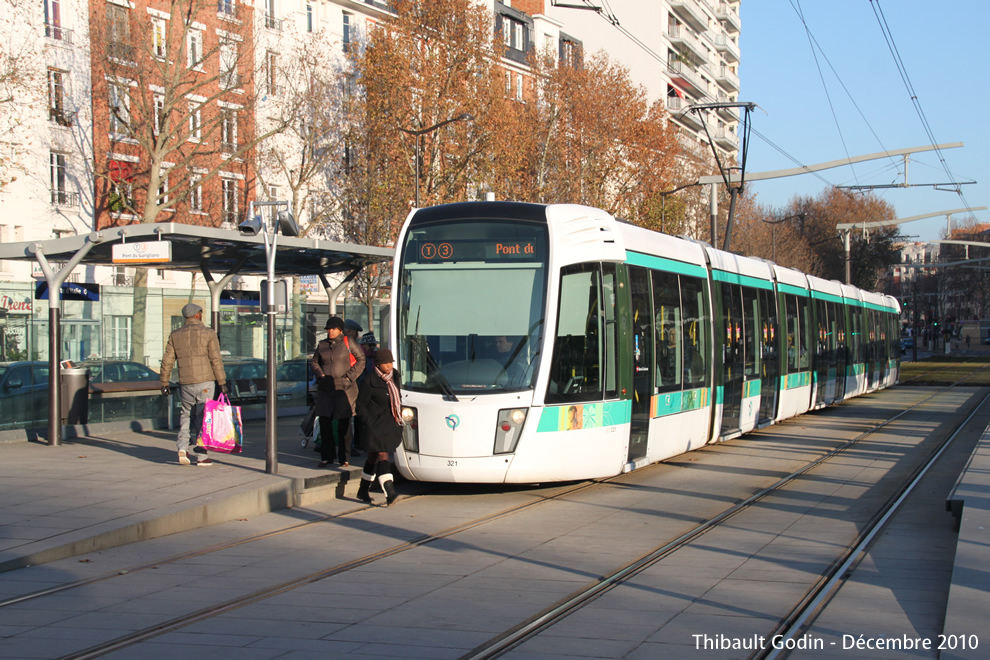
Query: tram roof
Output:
(219,250)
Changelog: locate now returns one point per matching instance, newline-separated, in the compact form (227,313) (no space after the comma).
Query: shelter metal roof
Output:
(220,251)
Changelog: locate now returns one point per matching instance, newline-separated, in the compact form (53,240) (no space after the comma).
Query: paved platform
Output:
(116,487)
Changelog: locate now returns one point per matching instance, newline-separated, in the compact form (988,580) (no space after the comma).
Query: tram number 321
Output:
(451,463)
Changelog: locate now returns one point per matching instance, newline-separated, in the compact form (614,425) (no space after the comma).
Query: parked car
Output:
(294,377)
(120,376)
(23,394)
(906,344)
(248,380)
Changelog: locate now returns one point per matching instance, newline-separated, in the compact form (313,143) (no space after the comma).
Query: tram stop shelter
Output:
(219,254)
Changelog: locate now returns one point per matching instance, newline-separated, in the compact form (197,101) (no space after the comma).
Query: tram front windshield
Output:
(471,306)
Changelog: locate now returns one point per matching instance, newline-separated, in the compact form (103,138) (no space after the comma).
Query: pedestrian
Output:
(337,363)
(369,344)
(380,416)
(353,330)
(196,349)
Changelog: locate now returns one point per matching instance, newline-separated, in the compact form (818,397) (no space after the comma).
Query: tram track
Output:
(527,630)
(799,616)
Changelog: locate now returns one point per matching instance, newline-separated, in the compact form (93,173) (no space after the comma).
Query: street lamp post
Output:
(282,222)
(773,233)
(420,132)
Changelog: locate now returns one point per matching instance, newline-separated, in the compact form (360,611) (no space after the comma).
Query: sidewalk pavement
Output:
(110,488)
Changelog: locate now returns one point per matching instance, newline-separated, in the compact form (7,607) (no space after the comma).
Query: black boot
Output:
(363,489)
(390,494)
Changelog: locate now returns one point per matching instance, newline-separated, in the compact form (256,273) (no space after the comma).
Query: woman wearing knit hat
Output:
(379,410)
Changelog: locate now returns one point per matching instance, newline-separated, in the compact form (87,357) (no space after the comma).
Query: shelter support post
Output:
(333,292)
(55,281)
(215,290)
(845,247)
(713,205)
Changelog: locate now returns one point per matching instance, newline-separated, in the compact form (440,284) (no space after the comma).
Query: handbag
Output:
(223,429)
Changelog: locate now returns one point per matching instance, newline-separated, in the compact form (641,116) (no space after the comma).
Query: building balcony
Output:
(58,33)
(726,47)
(728,114)
(120,51)
(727,79)
(689,12)
(729,15)
(64,198)
(680,111)
(272,23)
(726,139)
(61,117)
(686,76)
(683,39)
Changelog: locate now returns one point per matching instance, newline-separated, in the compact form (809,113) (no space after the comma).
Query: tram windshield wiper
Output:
(433,369)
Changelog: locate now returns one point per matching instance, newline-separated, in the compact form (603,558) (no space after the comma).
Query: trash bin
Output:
(75,396)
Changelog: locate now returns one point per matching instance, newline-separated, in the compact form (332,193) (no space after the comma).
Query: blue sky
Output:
(943,50)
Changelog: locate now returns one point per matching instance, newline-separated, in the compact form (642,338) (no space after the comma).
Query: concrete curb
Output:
(273,494)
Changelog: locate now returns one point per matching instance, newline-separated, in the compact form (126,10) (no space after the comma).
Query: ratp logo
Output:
(452,421)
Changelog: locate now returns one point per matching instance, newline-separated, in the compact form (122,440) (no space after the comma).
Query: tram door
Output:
(823,357)
(732,357)
(837,319)
(642,337)
(769,367)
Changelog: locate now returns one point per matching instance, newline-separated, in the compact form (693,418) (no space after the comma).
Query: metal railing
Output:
(65,198)
(58,33)
(273,23)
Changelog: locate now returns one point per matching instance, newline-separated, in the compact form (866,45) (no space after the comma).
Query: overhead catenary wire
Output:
(915,101)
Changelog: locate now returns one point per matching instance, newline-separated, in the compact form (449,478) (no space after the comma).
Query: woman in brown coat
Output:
(336,363)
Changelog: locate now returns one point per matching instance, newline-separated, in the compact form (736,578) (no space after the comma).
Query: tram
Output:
(542,343)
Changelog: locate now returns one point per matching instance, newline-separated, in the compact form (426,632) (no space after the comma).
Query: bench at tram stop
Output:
(968,605)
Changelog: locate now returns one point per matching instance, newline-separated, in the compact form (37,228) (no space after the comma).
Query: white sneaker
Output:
(183,459)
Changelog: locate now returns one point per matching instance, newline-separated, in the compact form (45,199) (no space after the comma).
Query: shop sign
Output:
(22,305)
(71,291)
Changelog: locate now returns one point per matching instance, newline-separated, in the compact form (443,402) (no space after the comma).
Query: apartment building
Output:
(686,51)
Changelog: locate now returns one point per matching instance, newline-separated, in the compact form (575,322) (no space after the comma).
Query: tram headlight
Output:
(410,432)
(508,428)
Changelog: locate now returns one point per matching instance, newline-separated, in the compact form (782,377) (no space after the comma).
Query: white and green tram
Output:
(544,343)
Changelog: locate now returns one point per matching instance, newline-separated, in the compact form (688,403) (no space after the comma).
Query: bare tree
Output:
(179,97)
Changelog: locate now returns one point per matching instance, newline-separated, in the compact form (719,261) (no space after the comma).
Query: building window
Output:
(519,87)
(195,193)
(120,104)
(226,8)
(195,122)
(119,33)
(121,197)
(273,193)
(271,73)
(517,36)
(228,64)
(508,83)
(163,190)
(228,130)
(271,22)
(56,97)
(194,48)
(507,32)
(53,22)
(347,32)
(309,18)
(229,200)
(159,38)
(59,182)
(159,117)
(120,328)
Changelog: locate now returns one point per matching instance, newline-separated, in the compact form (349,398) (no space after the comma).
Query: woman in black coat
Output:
(379,411)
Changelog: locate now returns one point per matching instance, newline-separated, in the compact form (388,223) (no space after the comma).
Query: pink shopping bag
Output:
(222,428)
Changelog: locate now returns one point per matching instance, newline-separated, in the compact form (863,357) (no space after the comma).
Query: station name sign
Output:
(142,252)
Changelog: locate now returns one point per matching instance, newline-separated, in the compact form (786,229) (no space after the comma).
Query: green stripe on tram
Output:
(668,265)
(743,280)
(791,289)
(584,416)
(827,297)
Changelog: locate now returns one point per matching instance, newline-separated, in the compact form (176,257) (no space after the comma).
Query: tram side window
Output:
(804,352)
(793,333)
(611,330)
(751,320)
(578,352)
(668,328)
(694,337)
